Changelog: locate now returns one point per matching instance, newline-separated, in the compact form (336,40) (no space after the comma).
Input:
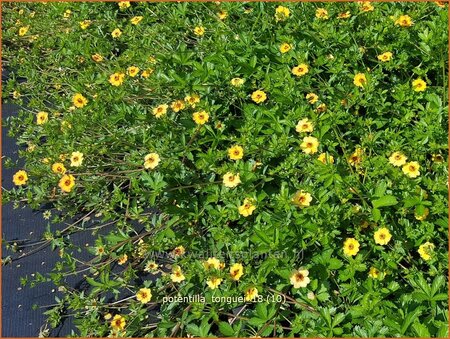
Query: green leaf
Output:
(387,200)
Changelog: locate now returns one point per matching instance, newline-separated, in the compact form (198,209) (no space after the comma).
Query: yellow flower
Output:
(97,57)
(312,98)
(426,250)
(285,47)
(23,30)
(136,20)
(160,110)
(177,105)
(192,99)
(374,273)
(321,13)
(356,157)
(231,180)
(300,278)
(437,158)
(397,159)
(132,71)
(351,246)
(116,33)
(251,293)
(122,259)
(107,316)
(199,30)
(177,275)
(118,323)
(67,13)
(67,182)
(144,295)
(85,24)
(382,236)
(222,15)
(300,70)
(200,118)
(20,178)
(344,15)
(321,108)
(419,85)
(147,72)
(79,100)
(236,152)
(116,79)
(386,56)
(236,271)
(214,282)
(360,80)
(440,4)
(366,6)
(302,199)
(309,145)
(404,21)
(212,263)
(282,13)
(411,169)
(124,4)
(151,160)
(237,82)
(41,118)
(259,96)
(58,168)
(178,251)
(16,95)
(326,159)
(247,207)
(76,159)
(150,266)
(304,125)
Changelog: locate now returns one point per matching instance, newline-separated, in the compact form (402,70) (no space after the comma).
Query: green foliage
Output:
(157,183)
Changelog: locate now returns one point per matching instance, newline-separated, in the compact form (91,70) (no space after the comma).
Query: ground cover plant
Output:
(280,168)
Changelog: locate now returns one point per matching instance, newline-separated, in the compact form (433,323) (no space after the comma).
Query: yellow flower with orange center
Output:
(285,47)
(300,70)
(419,85)
(231,180)
(366,6)
(282,13)
(309,145)
(351,247)
(132,71)
(79,100)
(41,118)
(247,207)
(300,278)
(85,24)
(177,275)
(58,168)
(360,80)
(20,178)
(116,79)
(97,57)
(124,4)
(177,105)
(116,33)
(76,159)
(397,159)
(222,15)
(259,96)
(326,158)
(304,125)
(200,118)
(344,15)
(236,271)
(404,21)
(382,236)
(146,73)
(426,250)
(302,199)
(136,20)
(251,293)
(144,295)
(151,160)
(214,282)
(237,82)
(199,30)
(321,13)
(192,99)
(355,158)
(23,30)
(411,169)
(312,98)
(386,56)
(212,263)
(118,323)
(236,152)
(160,110)
(67,182)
